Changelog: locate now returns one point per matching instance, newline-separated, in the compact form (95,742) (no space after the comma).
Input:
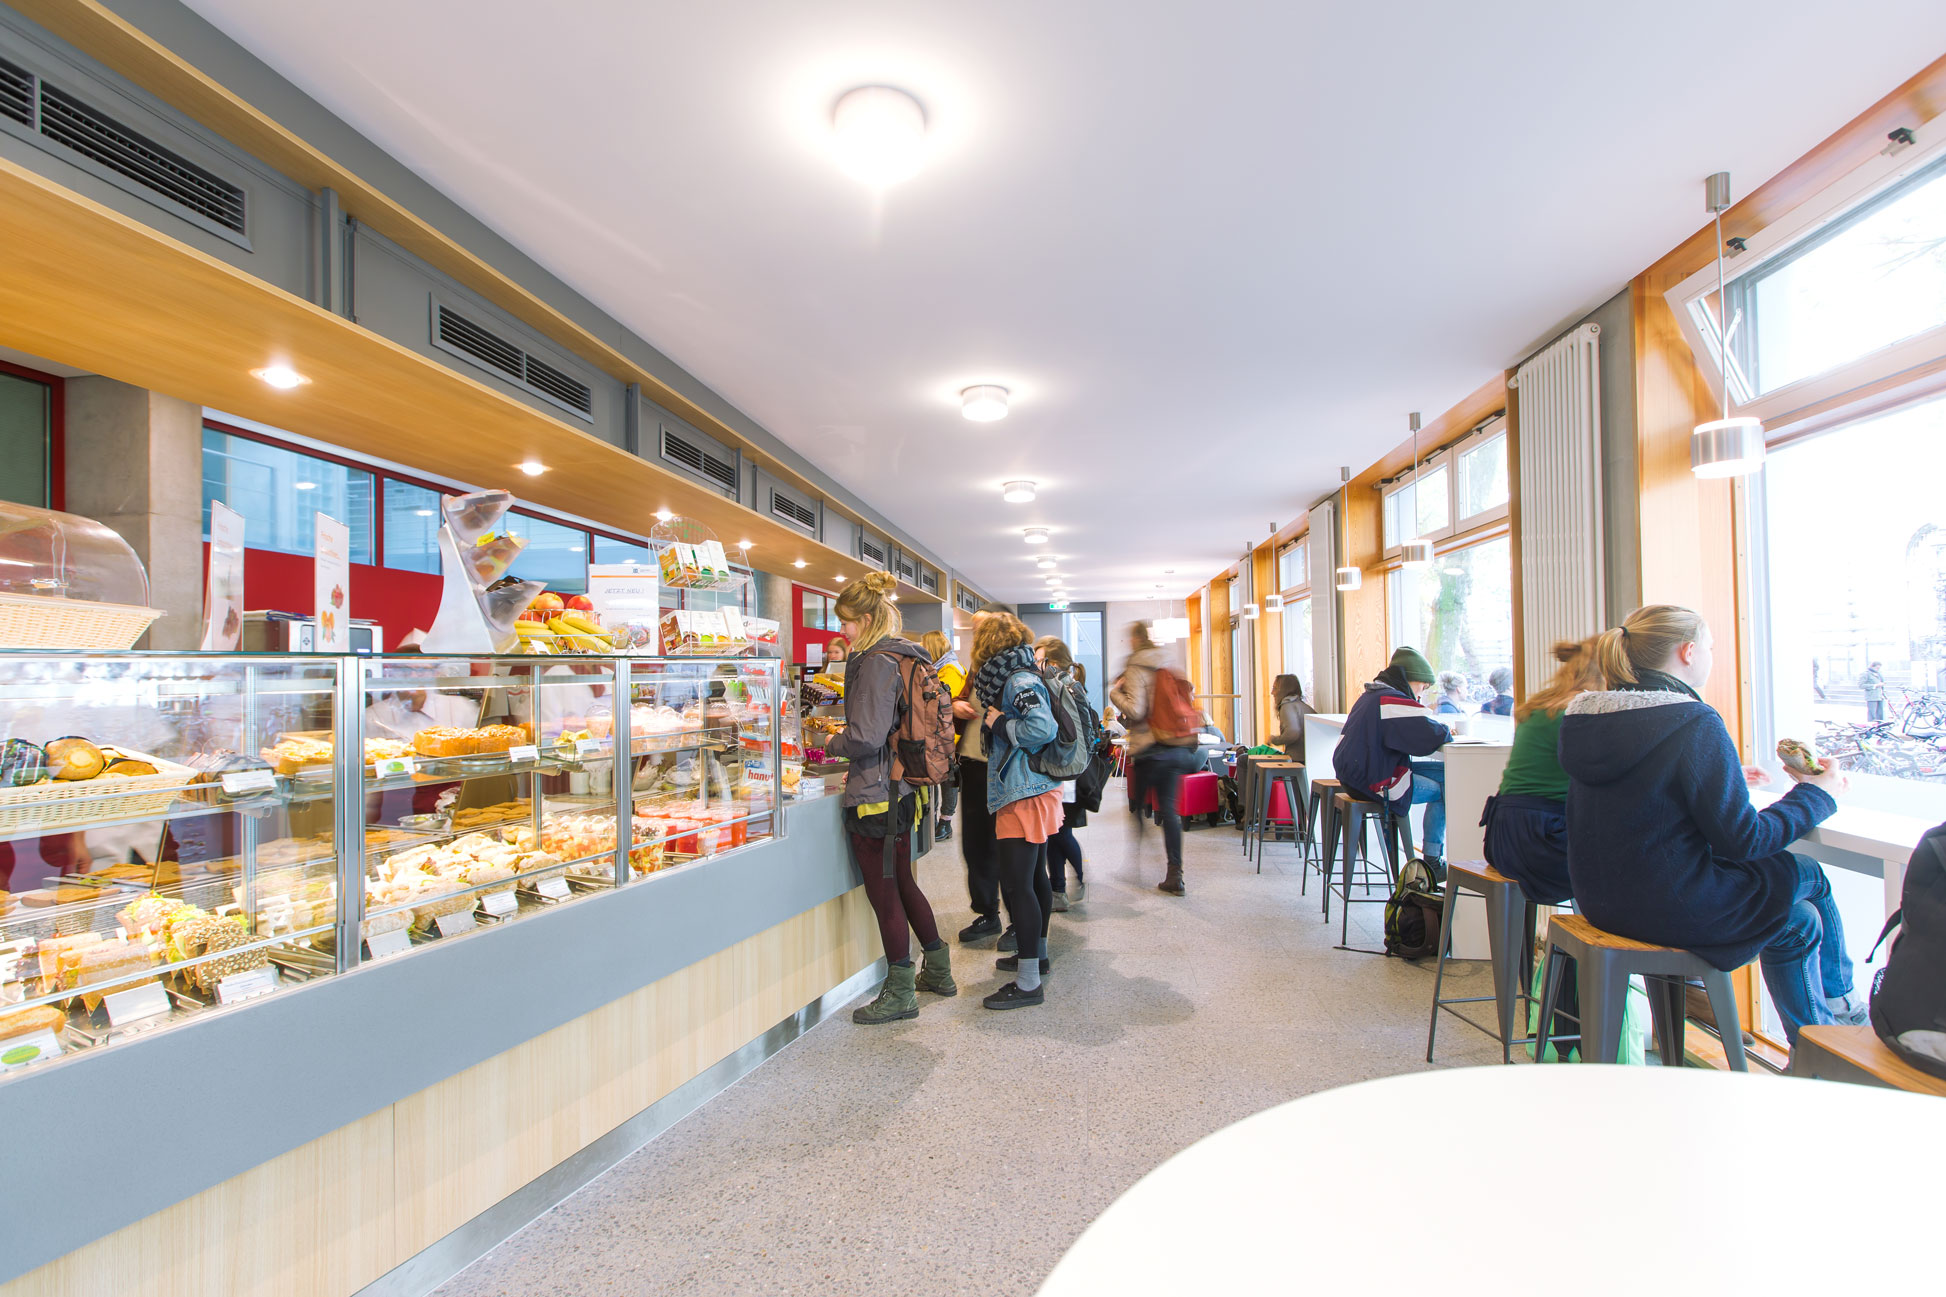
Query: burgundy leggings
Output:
(896,900)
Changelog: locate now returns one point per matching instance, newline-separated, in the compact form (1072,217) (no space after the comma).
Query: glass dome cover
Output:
(65,556)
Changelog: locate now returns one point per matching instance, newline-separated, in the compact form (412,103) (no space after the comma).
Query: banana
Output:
(532,630)
(558,623)
(583,623)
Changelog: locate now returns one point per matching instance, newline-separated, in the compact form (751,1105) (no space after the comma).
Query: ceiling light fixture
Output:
(1251,612)
(280,376)
(532,467)
(983,403)
(1034,535)
(799,563)
(663,515)
(1350,578)
(1017,492)
(1045,561)
(880,135)
(743,544)
(1273,603)
(841,578)
(1725,447)
(1418,551)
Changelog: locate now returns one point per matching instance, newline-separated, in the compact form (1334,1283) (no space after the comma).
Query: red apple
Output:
(546,601)
(581,603)
(533,615)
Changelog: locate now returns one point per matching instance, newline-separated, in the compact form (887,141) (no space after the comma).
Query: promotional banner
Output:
(627,600)
(223,582)
(333,567)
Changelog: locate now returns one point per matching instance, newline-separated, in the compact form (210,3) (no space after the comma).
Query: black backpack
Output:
(1909,994)
(1414,910)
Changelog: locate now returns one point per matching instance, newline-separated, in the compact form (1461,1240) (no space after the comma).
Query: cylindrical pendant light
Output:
(1418,551)
(1729,446)
(1350,578)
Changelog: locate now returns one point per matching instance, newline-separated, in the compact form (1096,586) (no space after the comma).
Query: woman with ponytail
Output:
(1526,821)
(1665,845)
(879,812)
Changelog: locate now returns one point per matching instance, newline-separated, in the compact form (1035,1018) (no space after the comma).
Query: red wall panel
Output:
(399,602)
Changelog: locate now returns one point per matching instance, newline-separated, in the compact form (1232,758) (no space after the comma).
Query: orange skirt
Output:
(1034,818)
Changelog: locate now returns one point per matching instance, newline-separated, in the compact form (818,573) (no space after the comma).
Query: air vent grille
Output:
(695,457)
(871,552)
(906,569)
(929,581)
(92,133)
(791,511)
(16,93)
(455,332)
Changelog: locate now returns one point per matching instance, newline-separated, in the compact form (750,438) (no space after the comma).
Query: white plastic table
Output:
(1497,1180)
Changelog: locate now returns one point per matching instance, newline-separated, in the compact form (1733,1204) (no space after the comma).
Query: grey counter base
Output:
(492,1227)
(201,1102)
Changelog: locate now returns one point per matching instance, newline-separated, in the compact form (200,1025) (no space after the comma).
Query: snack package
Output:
(762,633)
(733,628)
(715,563)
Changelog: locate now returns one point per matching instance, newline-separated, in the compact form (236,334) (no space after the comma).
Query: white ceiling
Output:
(1216,250)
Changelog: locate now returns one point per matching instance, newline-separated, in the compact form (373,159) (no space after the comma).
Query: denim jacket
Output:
(1026,724)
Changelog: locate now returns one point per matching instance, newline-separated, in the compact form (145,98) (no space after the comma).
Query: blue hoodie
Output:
(1664,845)
(1385,727)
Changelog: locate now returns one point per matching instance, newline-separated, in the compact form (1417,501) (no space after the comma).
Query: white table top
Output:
(1621,1177)
(1882,835)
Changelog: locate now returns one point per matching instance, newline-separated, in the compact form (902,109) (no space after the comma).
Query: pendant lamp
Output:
(1729,446)
(1416,552)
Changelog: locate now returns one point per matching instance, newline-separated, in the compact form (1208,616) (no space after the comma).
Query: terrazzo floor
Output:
(964,1151)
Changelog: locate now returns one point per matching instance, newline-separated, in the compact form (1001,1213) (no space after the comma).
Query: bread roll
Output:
(21,1022)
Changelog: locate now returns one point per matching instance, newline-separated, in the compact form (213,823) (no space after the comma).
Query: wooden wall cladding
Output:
(330,1217)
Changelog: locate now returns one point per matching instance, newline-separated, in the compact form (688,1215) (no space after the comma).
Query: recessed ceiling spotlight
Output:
(1034,535)
(799,563)
(880,133)
(532,467)
(280,376)
(841,578)
(984,403)
(1017,492)
(743,544)
(1054,580)
(1045,561)
(663,515)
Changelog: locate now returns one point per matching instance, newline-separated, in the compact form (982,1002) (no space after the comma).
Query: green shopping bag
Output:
(1635,1017)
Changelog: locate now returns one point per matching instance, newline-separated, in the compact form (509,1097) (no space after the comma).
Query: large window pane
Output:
(1459,612)
(411,527)
(280,492)
(555,553)
(25,408)
(1297,642)
(1483,477)
(1419,508)
(610,550)
(1871,280)
(1294,566)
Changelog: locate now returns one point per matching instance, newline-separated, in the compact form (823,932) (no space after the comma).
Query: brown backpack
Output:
(923,741)
(1173,718)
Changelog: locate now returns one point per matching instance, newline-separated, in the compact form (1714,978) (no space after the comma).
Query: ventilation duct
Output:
(455,333)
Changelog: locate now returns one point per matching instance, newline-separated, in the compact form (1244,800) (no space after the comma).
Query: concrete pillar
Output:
(774,602)
(135,462)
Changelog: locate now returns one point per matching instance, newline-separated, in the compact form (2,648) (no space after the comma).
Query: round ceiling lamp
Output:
(1034,535)
(1017,492)
(983,402)
(880,135)
(1046,562)
(1729,446)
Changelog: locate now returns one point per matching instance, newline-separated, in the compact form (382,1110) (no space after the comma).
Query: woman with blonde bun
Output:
(1664,845)
(878,811)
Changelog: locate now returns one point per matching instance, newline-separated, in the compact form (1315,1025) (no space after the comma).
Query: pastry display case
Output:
(179,833)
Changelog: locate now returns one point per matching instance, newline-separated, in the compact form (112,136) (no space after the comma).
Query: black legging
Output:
(976,839)
(1063,850)
(1160,770)
(1024,882)
(897,900)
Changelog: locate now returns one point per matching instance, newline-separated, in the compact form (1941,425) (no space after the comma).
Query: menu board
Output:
(333,576)
(223,583)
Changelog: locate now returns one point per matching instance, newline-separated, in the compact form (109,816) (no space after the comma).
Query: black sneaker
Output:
(985,926)
(945,833)
(1011,996)
(1011,964)
(1008,941)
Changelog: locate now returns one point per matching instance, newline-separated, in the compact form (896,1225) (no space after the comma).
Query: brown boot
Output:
(1172,882)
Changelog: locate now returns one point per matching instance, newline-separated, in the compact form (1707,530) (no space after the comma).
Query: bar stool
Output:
(1321,824)
(1289,776)
(1355,818)
(1247,789)
(1512,961)
(1261,775)
(1605,962)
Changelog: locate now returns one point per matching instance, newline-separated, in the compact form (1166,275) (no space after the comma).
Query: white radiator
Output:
(1561,593)
(1324,605)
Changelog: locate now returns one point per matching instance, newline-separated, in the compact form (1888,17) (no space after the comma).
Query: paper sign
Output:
(29,1049)
(589,747)
(523,753)
(236,782)
(555,889)
(500,903)
(628,602)
(246,986)
(136,1003)
(332,572)
(223,581)
(814,655)
(392,766)
(451,925)
(384,944)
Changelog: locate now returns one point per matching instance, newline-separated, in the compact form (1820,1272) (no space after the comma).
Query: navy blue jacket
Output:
(1663,843)
(1385,727)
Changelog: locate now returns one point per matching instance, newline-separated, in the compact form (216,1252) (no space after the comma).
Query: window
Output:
(411,527)
(555,553)
(1419,507)
(610,550)
(1297,641)
(1459,612)
(1294,565)
(280,492)
(1482,487)
(26,422)
(817,614)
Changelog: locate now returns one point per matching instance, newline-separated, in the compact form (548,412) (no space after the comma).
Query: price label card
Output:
(136,1003)
(589,747)
(524,754)
(500,903)
(451,925)
(29,1049)
(246,986)
(237,782)
(386,944)
(392,766)
(555,889)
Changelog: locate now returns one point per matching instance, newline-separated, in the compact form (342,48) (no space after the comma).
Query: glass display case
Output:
(819,714)
(152,863)
(180,832)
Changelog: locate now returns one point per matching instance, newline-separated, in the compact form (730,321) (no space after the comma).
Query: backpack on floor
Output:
(924,743)
(1173,718)
(1413,912)
(1909,994)
(1068,755)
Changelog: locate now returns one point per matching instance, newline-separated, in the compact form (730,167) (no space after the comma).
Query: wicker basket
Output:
(36,621)
(65,804)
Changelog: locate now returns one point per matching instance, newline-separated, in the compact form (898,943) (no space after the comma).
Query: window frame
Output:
(1476,441)
(1442,460)
(1804,225)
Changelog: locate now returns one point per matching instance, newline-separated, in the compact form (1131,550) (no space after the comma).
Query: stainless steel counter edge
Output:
(101,1140)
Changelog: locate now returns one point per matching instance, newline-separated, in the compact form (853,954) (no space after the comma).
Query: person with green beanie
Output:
(1388,733)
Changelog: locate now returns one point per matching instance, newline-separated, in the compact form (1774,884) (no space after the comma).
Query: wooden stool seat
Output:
(1479,870)
(1857,1055)
(1604,963)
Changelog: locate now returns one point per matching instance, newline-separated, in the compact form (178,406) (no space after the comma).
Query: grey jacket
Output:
(1130,694)
(871,712)
(1290,722)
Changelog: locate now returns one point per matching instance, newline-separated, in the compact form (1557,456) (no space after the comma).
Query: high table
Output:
(1598,1180)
